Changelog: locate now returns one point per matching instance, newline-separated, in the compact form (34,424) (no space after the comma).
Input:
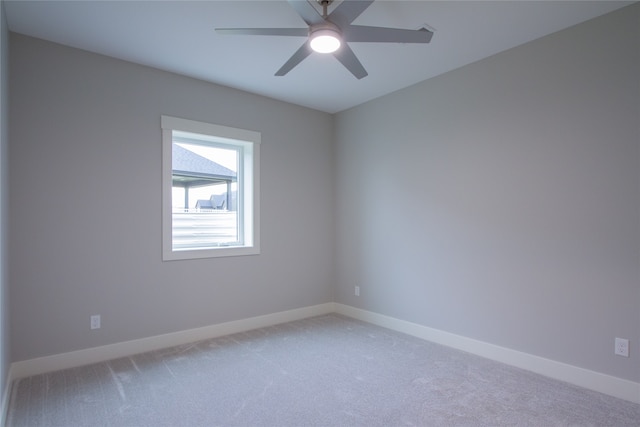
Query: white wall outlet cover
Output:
(95,321)
(622,347)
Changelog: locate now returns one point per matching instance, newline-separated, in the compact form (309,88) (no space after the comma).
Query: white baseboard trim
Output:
(607,384)
(596,381)
(87,356)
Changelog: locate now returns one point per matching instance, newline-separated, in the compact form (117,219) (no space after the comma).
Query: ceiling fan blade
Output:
(307,12)
(297,32)
(348,11)
(295,59)
(357,33)
(346,56)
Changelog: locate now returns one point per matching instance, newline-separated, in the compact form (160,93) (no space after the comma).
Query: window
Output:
(210,190)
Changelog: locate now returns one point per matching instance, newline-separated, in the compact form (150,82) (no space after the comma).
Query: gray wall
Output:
(85,204)
(501,201)
(4,190)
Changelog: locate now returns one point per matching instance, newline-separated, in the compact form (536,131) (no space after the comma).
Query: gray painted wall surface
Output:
(4,191)
(501,201)
(85,202)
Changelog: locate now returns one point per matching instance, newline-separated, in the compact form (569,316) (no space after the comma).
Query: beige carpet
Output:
(323,371)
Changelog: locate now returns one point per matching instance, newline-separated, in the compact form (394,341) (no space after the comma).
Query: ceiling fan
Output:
(329,33)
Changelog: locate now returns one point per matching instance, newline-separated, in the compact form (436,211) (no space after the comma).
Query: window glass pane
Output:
(204,194)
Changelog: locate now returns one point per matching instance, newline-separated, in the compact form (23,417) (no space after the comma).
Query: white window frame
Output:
(248,176)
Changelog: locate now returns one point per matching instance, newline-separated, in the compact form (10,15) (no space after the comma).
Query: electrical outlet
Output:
(95,321)
(622,347)
(357,291)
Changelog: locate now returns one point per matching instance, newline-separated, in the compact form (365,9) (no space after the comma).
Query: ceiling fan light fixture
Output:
(325,40)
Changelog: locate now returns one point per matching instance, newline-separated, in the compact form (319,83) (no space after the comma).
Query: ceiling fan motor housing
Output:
(324,26)
(325,37)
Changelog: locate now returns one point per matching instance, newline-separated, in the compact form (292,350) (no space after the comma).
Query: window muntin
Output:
(210,190)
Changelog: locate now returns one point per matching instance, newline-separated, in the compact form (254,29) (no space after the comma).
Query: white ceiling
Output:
(179,36)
